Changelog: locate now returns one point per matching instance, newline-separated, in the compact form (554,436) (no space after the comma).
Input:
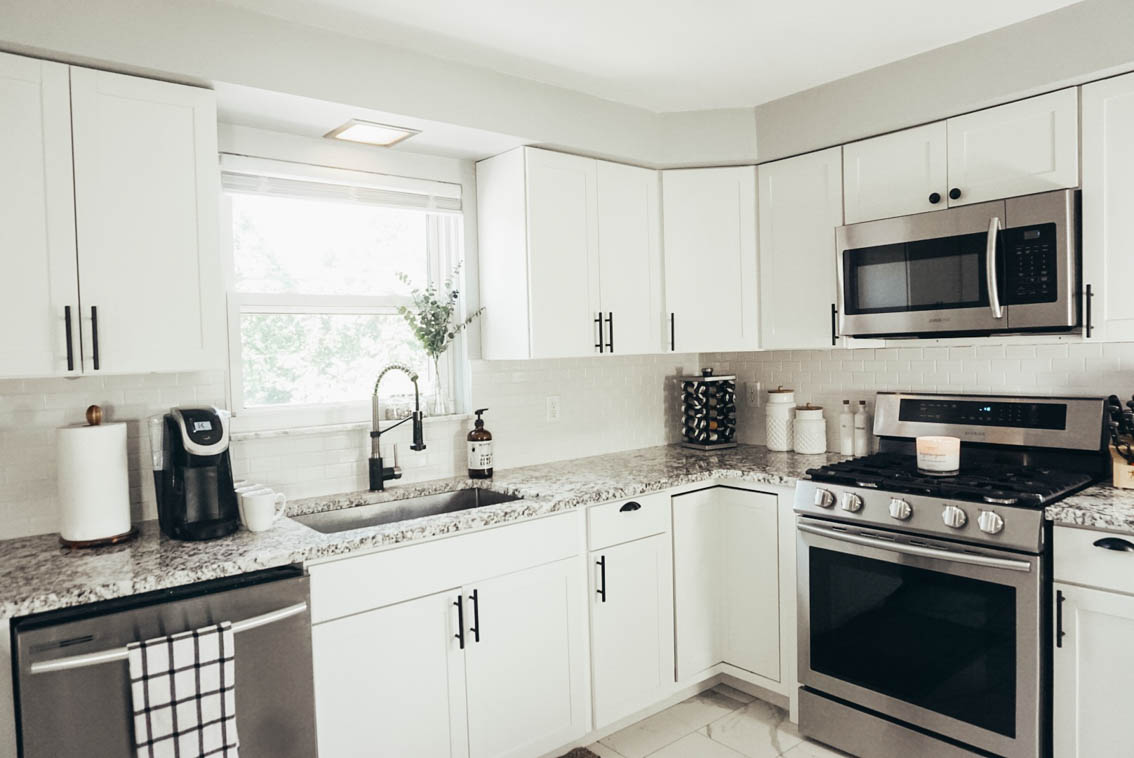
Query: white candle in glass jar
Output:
(939,455)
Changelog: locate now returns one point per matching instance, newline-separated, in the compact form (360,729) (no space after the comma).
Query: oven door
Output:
(938,636)
(932,272)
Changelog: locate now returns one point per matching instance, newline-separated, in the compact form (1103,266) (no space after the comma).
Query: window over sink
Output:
(315,282)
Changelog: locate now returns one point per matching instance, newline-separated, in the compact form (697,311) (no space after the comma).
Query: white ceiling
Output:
(666,55)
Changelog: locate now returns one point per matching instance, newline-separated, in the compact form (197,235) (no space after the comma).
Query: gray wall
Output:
(1069,46)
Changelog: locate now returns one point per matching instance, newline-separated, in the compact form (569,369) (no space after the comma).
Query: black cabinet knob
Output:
(935,198)
(955,194)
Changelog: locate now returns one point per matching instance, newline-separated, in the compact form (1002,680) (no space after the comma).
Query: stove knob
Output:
(851,502)
(990,522)
(900,509)
(824,498)
(954,517)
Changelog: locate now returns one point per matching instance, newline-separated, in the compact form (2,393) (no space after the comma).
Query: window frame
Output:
(444,248)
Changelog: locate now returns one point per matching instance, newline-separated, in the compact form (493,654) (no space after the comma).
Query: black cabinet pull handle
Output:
(671,332)
(1089,295)
(1115,543)
(610,331)
(1059,633)
(70,348)
(460,635)
(475,628)
(834,325)
(598,320)
(934,198)
(601,563)
(94,334)
(631,506)
(955,193)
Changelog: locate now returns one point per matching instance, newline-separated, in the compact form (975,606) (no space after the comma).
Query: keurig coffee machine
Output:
(193,473)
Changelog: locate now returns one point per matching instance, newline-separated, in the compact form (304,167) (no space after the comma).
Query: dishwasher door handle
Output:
(122,653)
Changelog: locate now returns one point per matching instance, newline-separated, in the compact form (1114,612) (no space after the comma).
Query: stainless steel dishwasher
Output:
(72,684)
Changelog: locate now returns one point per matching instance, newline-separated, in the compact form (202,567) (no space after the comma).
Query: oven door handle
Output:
(990,268)
(924,552)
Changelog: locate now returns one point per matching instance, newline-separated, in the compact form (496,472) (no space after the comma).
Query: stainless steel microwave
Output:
(1004,266)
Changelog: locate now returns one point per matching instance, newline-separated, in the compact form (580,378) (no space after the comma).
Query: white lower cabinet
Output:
(631,626)
(726,581)
(392,681)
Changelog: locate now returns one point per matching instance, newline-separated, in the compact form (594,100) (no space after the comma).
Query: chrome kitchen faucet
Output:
(379,473)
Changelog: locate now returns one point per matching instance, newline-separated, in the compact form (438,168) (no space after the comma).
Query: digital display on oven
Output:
(975,413)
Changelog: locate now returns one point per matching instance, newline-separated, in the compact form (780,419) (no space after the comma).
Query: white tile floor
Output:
(720,723)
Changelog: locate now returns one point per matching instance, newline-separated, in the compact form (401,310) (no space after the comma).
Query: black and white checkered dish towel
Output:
(184,694)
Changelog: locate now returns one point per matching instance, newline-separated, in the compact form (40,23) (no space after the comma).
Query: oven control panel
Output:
(1030,272)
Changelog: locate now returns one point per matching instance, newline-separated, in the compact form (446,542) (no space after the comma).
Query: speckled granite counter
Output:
(1101,507)
(36,574)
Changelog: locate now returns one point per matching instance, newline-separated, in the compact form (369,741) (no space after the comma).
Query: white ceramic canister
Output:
(810,430)
(779,417)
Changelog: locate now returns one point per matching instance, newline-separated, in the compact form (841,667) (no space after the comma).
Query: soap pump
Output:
(480,449)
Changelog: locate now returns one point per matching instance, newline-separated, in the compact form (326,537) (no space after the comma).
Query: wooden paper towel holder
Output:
(94,418)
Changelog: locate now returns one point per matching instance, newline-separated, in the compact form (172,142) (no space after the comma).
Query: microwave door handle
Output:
(990,268)
(924,552)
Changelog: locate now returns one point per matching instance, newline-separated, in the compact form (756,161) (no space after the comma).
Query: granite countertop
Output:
(37,574)
(1101,507)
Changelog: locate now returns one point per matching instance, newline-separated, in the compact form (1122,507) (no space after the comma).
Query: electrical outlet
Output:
(753,395)
(553,408)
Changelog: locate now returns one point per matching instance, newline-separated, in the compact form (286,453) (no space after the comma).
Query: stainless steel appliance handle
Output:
(925,552)
(121,653)
(990,268)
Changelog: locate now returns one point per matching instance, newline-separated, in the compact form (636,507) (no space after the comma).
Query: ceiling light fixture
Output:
(371,133)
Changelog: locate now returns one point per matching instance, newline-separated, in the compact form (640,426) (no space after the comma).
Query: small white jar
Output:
(779,419)
(810,430)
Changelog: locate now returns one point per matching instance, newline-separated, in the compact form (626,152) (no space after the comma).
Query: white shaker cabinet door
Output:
(562,254)
(631,626)
(390,682)
(709,237)
(1016,149)
(698,563)
(1093,668)
(39,287)
(800,205)
(750,580)
(1108,197)
(146,189)
(525,671)
(629,234)
(896,174)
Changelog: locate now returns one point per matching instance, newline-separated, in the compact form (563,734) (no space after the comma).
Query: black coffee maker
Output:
(193,473)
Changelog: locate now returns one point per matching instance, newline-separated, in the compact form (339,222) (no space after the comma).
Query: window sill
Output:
(304,430)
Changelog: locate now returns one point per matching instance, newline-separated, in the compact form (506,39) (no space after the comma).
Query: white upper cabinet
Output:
(629,234)
(1108,196)
(563,241)
(896,174)
(145,156)
(800,204)
(709,222)
(1016,149)
(39,290)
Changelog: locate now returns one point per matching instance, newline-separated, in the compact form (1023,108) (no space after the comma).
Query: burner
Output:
(993,483)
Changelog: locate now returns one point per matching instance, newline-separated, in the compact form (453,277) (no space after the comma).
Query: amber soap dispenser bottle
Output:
(480,449)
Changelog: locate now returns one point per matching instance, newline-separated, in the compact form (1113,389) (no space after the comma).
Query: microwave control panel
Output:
(1030,272)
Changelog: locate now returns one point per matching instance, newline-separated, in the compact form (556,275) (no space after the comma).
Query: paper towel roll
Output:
(94,489)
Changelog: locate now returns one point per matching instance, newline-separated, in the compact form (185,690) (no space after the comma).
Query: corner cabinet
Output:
(709,222)
(1108,196)
(800,205)
(569,256)
(109,191)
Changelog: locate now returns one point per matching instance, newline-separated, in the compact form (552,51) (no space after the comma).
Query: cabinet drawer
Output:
(625,520)
(1078,560)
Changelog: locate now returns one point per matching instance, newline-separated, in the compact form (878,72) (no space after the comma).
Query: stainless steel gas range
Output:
(923,601)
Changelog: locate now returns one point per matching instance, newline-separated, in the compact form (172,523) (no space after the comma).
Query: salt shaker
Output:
(810,430)
(780,419)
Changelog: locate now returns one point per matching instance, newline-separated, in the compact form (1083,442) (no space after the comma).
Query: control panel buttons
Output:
(852,503)
(954,517)
(900,509)
(990,522)
(824,498)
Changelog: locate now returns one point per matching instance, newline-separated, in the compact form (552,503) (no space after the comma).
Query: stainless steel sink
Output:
(360,516)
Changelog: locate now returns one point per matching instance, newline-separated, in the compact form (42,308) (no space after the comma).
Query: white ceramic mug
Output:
(261,508)
(240,486)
